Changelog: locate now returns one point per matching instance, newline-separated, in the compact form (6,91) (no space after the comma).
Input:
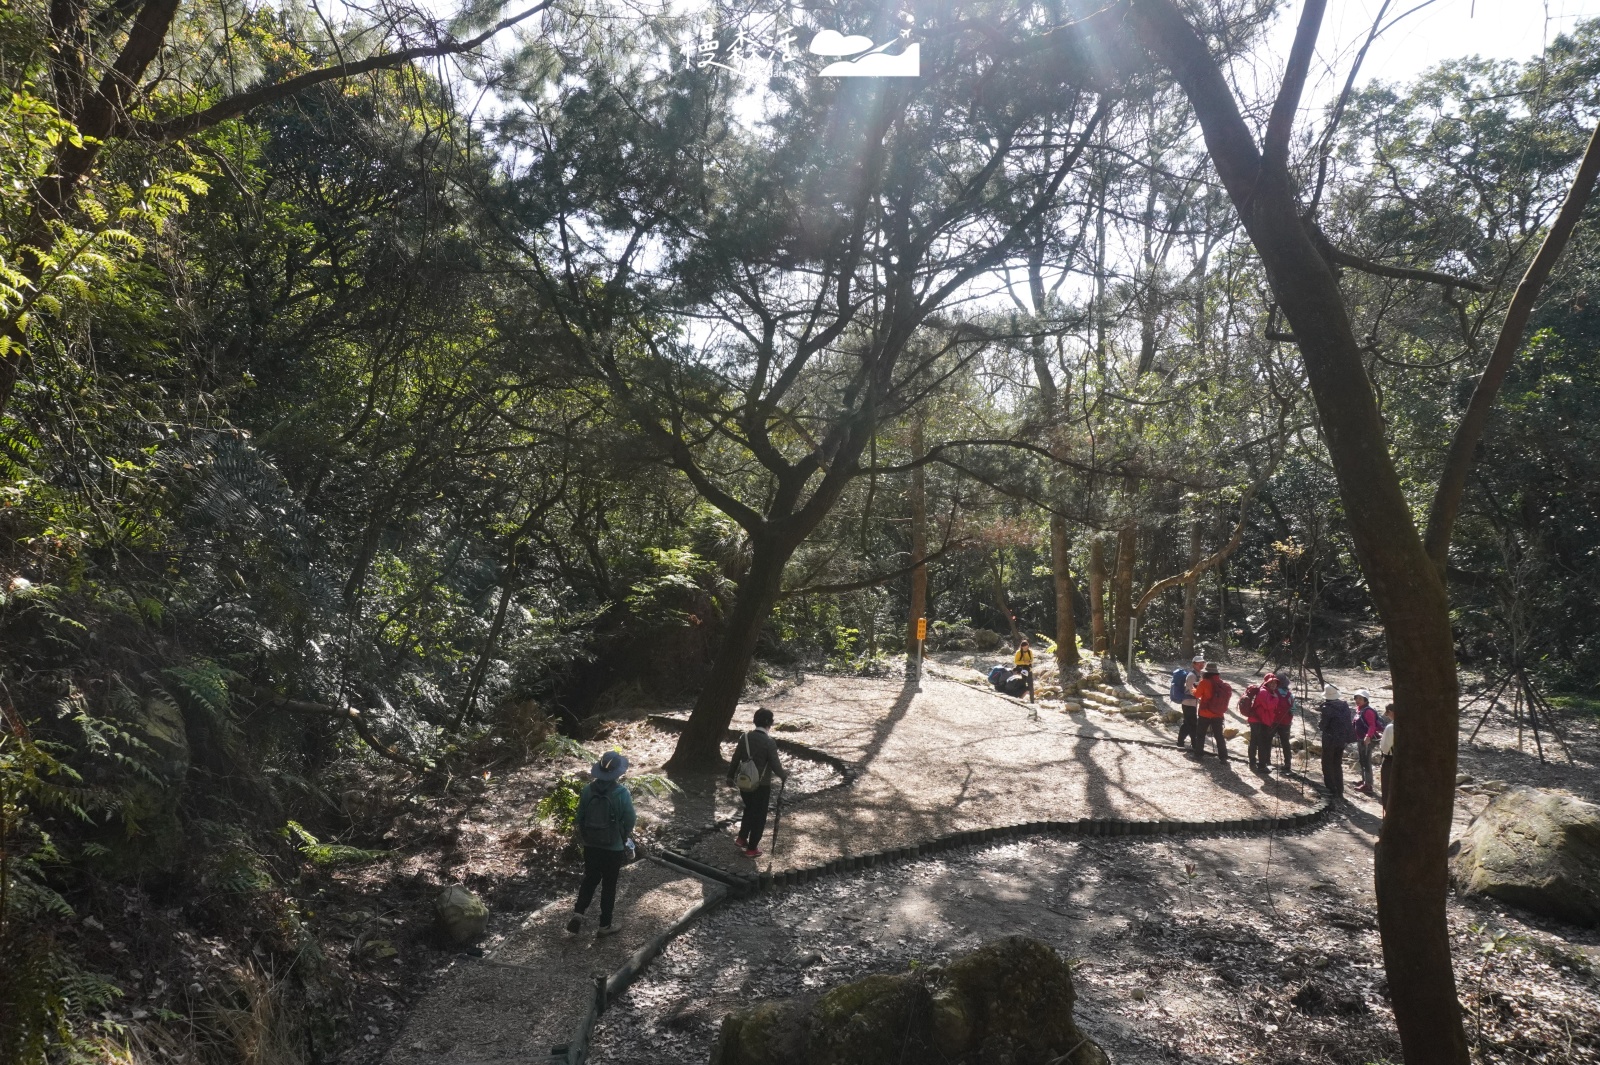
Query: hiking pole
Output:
(777,820)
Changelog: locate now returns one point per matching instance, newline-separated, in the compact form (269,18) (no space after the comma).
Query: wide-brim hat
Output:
(1212,669)
(1362,693)
(1330,692)
(611,766)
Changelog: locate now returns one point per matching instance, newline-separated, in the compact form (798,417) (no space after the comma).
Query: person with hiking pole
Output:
(1212,695)
(1260,706)
(755,763)
(1184,682)
(1283,725)
(605,828)
(1338,729)
(1369,729)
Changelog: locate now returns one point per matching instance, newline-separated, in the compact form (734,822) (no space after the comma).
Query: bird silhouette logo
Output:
(871,61)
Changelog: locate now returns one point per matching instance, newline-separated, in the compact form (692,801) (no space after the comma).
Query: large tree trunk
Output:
(700,746)
(1122,589)
(1412,871)
(1097,594)
(1060,570)
(919,537)
(997,588)
(1191,593)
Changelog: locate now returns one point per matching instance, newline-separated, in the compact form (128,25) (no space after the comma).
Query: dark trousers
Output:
(600,869)
(1383,781)
(754,822)
(1364,756)
(1191,725)
(1333,768)
(1213,725)
(1281,734)
(1260,746)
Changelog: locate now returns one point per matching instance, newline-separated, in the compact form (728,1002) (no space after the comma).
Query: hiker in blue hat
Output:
(605,825)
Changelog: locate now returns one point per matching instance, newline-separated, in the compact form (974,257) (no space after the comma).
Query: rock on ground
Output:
(462,915)
(1536,849)
(1007,1003)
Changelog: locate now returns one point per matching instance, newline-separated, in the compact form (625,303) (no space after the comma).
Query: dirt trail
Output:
(1213,950)
(948,758)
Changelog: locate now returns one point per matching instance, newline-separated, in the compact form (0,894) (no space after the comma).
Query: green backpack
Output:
(597,821)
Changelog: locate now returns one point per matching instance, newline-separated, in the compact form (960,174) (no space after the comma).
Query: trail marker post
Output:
(922,634)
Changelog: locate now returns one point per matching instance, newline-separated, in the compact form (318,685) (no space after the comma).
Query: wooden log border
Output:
(738,885)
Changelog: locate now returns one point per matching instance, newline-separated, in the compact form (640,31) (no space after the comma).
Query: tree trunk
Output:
(1222,613)
(1066,622)
(700,746)
(1191,593)
(1097,594)
(919,537)
(997,587)
(1406,588)
(1122,589)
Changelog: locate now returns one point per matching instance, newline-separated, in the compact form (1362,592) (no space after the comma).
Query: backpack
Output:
(748,775)
(1180,680)
(997,677)
(597,821)
(1370,721)
(1017,683)
(1247,701)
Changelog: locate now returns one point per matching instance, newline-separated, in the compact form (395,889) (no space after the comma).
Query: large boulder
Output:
(1536,849)
(462,915)
(1008,1003)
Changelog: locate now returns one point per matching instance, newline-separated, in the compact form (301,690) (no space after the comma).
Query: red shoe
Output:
(740,841)
(752,852)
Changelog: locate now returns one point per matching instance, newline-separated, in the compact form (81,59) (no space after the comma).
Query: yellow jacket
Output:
(1023,657)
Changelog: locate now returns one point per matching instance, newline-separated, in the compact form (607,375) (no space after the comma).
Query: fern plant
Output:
(322,853)
(41,990)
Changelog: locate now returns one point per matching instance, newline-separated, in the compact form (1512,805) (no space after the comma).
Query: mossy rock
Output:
(882,1018)
(774,1032)
(462,916)
(1012,1000)
(1009,1003)
(1536,849)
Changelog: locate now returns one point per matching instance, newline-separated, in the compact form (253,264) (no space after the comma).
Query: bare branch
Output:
(1280,124)
(1404,273)
(233,106)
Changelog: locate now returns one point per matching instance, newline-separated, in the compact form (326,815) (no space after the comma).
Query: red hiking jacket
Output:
(1214,694)
(1266,708)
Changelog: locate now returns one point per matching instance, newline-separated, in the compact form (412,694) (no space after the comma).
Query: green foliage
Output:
(328,853)
(559,805)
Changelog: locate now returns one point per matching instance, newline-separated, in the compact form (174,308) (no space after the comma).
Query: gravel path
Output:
(947,758)
(1261,949)
(532,985)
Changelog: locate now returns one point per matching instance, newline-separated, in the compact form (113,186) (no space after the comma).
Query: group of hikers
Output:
(605,816)
(1269,710)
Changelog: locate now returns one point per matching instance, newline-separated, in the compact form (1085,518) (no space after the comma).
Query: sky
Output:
(1442,29)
